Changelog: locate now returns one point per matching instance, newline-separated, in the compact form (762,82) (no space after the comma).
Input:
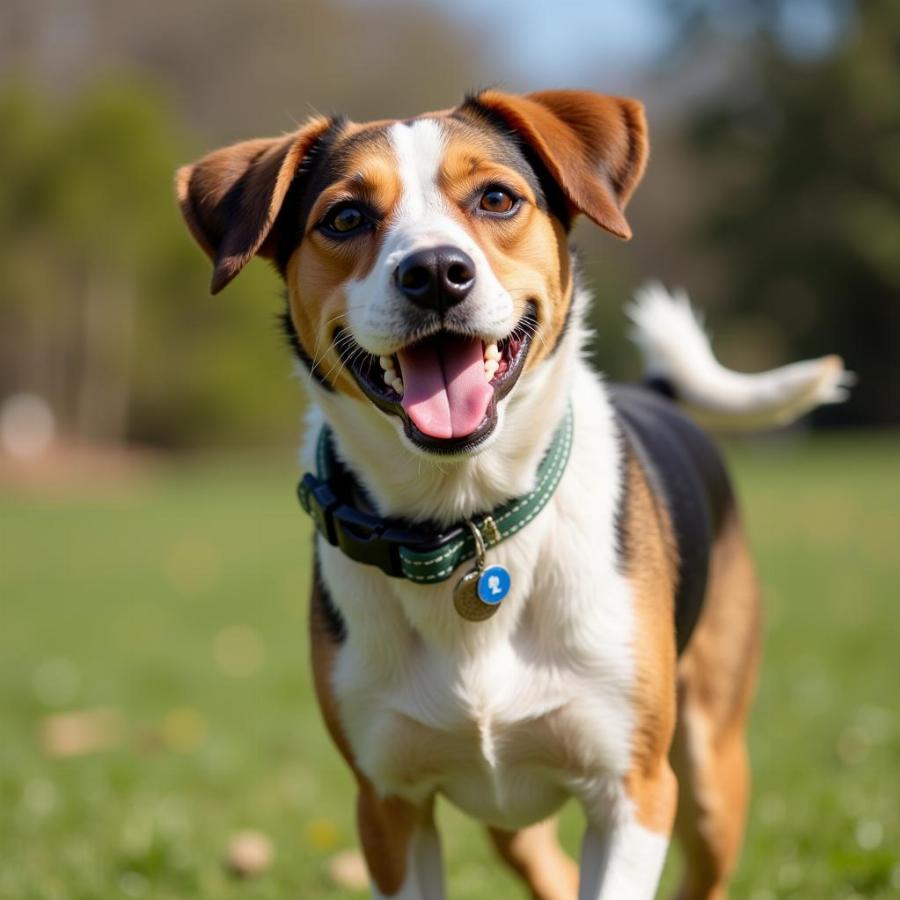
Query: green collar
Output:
(419,553)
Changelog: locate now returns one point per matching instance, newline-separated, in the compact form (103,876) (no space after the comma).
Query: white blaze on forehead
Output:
(419,148)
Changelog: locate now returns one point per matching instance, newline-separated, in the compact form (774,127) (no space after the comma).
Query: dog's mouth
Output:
(446,386)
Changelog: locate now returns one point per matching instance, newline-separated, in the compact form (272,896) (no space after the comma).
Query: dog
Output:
(529,584)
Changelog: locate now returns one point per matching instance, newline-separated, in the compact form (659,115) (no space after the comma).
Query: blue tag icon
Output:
(493,585)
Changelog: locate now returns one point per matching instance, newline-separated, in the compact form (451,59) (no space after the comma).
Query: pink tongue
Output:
(445,392)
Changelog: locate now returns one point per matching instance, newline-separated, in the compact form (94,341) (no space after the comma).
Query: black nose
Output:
(436,278)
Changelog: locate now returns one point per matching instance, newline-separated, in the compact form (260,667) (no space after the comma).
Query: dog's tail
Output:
(680,362)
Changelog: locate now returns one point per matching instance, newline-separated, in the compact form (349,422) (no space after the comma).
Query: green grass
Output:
(126,596)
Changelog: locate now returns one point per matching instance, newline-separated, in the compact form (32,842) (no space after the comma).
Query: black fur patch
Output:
(662,386)
(316,171)
(286,327)
(620,524)
(324,613)
(688,476)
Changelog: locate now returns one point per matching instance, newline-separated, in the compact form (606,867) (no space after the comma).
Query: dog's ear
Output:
(231,198)
(593,146)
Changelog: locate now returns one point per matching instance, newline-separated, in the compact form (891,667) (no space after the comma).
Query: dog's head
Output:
(426,260)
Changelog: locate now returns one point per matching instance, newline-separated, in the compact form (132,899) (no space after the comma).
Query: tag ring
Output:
(480,549)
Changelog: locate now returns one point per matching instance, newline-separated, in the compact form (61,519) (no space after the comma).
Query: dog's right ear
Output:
(231,198)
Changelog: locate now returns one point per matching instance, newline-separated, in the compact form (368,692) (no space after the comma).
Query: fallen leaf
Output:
(249,854)
(81,732)
(348,870)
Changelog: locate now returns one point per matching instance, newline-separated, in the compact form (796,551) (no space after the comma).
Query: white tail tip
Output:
(675,347)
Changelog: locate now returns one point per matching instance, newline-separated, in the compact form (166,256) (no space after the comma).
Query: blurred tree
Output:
(802,146)
(104,298)
(238,69)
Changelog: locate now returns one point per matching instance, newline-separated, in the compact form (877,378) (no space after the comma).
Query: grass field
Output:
(176,601)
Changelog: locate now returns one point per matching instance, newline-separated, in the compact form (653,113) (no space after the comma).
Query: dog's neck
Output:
(401,482)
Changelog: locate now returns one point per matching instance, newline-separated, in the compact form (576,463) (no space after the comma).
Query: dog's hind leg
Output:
(710,825)
(717,677)
(535,855)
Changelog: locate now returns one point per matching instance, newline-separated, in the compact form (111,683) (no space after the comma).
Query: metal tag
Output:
(467,602)
(478,593)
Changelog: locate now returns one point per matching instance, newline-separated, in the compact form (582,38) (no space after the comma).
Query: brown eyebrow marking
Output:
(370,178)
(327,162)
(499,146)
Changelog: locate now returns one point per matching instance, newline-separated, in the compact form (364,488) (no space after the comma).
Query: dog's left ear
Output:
(231,198)
(593,146)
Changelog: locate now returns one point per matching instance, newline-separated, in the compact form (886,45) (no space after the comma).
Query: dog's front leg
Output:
(624,847)
(401,847)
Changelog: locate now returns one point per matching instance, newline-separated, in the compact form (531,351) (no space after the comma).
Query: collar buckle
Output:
(363,537)
(358,534)
(319,501)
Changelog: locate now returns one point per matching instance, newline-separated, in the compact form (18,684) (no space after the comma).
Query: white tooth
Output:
(386,362)
(491,352)
(397,385)
(390,376)
(490,368)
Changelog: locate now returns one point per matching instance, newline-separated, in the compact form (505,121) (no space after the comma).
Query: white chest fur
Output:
(509,716)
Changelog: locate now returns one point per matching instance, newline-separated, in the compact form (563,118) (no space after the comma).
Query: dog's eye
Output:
(495,200)
(344,220)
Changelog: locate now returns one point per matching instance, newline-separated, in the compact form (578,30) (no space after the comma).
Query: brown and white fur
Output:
(574,688)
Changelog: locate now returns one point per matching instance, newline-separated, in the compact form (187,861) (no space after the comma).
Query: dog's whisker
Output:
(348,362)
(343,336)
(340,364)
(343,340)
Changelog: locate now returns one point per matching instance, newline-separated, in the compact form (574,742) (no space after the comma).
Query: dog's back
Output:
(689,478)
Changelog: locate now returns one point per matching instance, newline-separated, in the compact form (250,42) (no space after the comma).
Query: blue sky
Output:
(576,42)
(546,42)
